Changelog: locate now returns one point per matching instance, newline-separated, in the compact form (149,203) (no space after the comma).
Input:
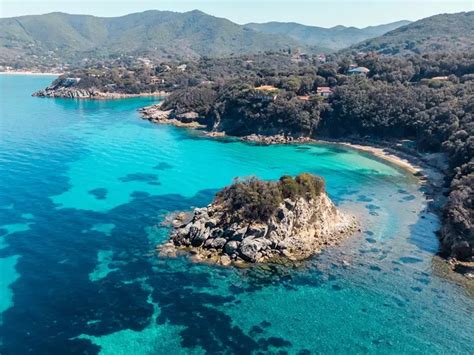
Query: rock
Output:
(258,230)
(187,117)
(250,248)
(218,243)
(231,247)
(461,250)
(195,230)
(274,139)
(239,234)
(225,260)
(217,233)
(281,245)
(181,219)
(289,204)
(200,213)
(211,223)
(198,234)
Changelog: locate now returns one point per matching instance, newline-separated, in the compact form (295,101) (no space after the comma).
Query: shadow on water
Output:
(55,301)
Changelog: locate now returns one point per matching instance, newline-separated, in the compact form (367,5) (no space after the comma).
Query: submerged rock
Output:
(292,227)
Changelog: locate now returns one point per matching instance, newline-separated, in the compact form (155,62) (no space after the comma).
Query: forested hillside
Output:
(440,33)
(59,38)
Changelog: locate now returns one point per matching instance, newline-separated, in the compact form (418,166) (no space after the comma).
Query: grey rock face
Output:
(250,249)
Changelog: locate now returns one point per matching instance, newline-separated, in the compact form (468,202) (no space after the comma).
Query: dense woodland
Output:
(428,99)
(439,33)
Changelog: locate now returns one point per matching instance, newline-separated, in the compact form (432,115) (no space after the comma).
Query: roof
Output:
(359,70)
(304,97)
(266,88)
(324,90)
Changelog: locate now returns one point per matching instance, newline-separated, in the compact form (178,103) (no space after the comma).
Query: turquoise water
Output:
(84,187)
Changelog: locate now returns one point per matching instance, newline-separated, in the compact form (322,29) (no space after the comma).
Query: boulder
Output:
(461,250)
(239,234)
(231,247)
(250,249)
(259,230)
(218,243)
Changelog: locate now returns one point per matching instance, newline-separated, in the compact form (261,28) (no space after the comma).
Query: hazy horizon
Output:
(322,13)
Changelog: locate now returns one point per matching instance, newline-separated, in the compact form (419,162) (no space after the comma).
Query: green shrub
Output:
(251,199)
(310,185)
(289,187)
(254,199)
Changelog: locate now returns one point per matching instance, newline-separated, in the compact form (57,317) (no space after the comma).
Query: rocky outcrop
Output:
(92,93)
(70,88)
(67,92)
(275,139)
(156,114)
(297,229)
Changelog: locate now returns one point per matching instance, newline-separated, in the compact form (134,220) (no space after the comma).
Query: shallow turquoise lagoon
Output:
(84,187)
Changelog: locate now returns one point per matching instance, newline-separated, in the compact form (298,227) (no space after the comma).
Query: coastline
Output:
(429,169)
(413,162)
(410,166)
(28,72)
(114,95)
(99,95)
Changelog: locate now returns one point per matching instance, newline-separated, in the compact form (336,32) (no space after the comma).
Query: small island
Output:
(256,221)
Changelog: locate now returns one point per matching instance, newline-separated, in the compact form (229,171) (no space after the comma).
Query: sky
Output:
(324,13)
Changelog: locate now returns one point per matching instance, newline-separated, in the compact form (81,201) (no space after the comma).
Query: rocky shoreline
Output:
(299,228)
(75,93)
(155,114)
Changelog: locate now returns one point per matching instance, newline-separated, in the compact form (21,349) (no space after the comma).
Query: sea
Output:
(85,189)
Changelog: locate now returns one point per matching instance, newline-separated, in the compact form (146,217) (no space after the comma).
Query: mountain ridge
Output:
(165,34)
(333,38)
(59,38)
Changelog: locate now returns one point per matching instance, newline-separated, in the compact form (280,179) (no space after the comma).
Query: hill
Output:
(331,39)
(59,38)
(439,33)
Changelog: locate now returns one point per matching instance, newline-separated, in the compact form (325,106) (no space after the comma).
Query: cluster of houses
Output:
(270,93)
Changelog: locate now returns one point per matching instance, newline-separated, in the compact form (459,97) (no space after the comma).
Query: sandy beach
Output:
(383,154)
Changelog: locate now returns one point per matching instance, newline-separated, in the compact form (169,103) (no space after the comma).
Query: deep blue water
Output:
(84,187)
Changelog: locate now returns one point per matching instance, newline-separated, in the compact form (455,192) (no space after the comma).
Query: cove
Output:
(84,188)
